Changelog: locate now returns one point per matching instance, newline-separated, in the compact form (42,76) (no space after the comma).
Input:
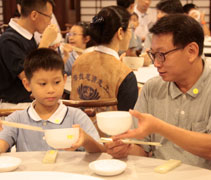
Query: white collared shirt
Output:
(107,50)
(56,118)
(22,31)
(146,20)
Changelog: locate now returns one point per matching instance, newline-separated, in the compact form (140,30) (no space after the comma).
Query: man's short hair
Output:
(125,3)
(42,58)
(184,29)
(27,6)
(170,6)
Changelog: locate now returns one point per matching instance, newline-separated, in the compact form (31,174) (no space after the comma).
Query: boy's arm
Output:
(4,146)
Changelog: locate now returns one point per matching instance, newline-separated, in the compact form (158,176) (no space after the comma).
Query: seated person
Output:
(192,10)
(77,37)
(100,74)
(163,7)
(44,70)
(178,102)
(17,41)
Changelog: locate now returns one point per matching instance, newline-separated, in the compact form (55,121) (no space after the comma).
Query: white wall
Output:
(90,7)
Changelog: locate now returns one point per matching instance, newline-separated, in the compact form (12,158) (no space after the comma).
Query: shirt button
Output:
(184,96)
(44,123)
(182,112)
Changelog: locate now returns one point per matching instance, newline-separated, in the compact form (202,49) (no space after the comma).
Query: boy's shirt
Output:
(27,140)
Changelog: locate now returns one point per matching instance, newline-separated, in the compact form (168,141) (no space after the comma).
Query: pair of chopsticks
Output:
(20,125)
(130,141)
(77,49)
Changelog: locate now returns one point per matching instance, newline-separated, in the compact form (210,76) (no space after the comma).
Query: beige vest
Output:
(97,75)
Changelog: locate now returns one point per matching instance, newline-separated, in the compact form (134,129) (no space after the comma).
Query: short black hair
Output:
(27,6)
(187,7)
(170,6)
(42,58)
(107,22)
(125,3)
(184,29)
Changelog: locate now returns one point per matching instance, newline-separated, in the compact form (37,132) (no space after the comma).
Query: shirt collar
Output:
(196,88)
(107,50)
(26,34)
(56,118)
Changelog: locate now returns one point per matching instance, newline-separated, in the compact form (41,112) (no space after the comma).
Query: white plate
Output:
(44,175)
(108,167)
(8,163)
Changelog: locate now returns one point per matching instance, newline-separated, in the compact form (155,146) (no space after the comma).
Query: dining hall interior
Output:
(105,89)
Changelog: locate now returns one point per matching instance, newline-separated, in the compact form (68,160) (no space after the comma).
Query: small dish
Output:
(8,163)
(108,167)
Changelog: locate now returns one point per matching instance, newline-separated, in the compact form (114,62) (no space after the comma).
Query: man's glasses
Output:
(161,57)
(46,15)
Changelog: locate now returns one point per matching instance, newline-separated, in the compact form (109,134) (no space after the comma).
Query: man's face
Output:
(175,66)
(143,4)
(44,18)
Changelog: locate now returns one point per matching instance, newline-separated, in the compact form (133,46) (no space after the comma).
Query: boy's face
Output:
(47,86)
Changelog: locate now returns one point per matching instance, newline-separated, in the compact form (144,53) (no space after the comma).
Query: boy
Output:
(45,79)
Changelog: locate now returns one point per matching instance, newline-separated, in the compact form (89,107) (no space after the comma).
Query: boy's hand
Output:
(80,141)
(117,149)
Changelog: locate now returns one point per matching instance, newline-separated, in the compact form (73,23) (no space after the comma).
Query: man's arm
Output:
(193,142)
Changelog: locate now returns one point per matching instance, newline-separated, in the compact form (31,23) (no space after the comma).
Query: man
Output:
(178,102)
(17,41)
(147,17)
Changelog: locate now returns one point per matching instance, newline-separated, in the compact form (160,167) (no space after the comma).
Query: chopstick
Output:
(77,49)
(130,141)
(20,125)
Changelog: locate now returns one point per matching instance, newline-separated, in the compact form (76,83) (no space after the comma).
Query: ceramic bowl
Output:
(61,138)
(114,122)
(133,62)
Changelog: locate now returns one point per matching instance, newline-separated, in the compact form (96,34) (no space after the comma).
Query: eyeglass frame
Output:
(163,55)
(46,15)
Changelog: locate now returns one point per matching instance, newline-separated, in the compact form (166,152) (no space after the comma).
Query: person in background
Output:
(129,6)
(177,103)
(163,7)
(192,10)
(78,37)
(135,23)
(16,42)
(147,18)
(44,70)
(100,74)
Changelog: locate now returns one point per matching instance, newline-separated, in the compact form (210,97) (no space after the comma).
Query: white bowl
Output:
(114,122)
(8,163)
(61,138)
(108,167)
(133,62)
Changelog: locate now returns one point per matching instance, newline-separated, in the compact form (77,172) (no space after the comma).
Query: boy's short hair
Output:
(170,6)
(184,29)
(27,6)
(42,58)
(125,3)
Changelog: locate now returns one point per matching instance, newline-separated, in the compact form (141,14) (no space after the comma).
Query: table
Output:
(138,168)
(207,47)
(145,73)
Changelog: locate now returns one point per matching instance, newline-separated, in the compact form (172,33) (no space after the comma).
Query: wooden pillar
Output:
(9,7)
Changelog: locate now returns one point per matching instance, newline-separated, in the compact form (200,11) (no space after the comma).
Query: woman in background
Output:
(100,74)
